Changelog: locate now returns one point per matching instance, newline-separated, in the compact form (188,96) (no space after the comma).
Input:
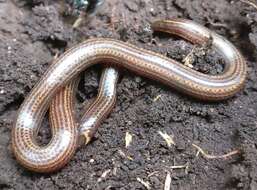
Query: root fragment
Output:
(208,156)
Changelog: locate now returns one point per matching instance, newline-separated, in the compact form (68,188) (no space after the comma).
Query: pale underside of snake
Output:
(57,87)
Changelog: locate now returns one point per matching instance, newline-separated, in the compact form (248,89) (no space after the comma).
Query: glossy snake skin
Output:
(111,52)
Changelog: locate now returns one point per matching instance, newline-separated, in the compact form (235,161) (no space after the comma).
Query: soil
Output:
(32,32)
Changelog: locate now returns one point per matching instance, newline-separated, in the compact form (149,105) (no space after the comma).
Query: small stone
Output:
(91,160)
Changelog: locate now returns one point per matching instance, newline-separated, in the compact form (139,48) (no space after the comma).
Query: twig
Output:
(215,24)
(103,176)
(79,20)
(179,167)
(250,2)
(153,173)
(185,166)
(208,156)
(144,183)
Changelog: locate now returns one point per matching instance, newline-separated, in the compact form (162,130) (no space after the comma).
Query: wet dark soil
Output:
(32,32)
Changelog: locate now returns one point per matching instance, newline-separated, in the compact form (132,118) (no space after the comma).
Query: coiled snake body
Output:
(57,85)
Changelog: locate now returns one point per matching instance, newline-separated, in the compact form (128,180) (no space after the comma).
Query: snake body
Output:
(57,86)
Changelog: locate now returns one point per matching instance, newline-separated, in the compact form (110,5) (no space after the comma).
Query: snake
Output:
(56,89)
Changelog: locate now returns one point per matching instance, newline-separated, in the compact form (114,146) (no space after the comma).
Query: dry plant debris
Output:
(128,139)
(208,156)
(144,183)
(167,183)
(169,140)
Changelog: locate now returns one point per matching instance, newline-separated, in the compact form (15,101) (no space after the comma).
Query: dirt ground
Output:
(32,32)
